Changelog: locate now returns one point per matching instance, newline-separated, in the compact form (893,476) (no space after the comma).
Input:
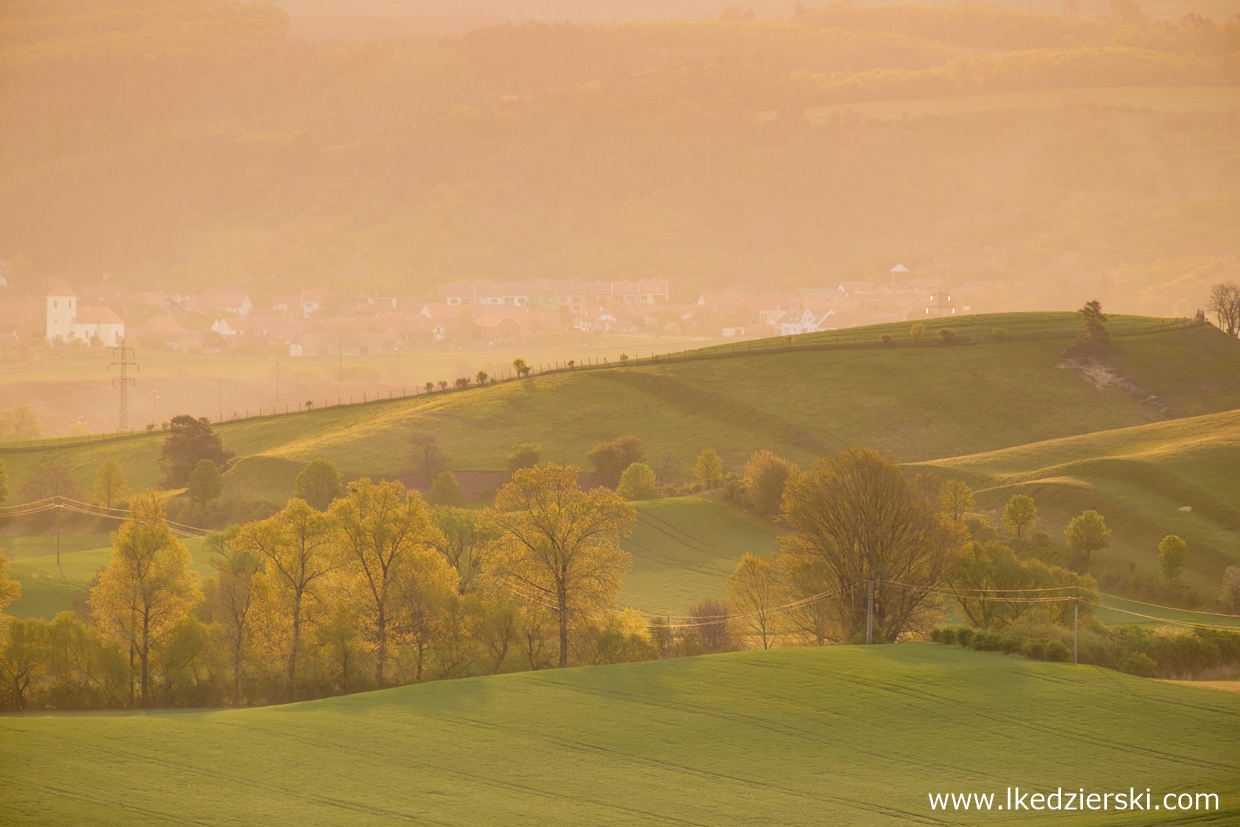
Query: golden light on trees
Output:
(380,528)
(859,515)
(559,546)
(296,546)
(148,586)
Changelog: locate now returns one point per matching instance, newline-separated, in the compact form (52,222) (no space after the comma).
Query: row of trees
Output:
(376,589)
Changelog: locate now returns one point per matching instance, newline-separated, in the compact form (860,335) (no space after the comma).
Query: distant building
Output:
(68,321)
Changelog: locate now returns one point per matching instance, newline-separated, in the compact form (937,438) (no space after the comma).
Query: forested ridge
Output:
(193,143)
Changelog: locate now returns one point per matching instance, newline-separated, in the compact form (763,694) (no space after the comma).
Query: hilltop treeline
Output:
(184,143)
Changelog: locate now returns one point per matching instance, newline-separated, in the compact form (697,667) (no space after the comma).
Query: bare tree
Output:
(711,618)
(428,458)
(1224,303)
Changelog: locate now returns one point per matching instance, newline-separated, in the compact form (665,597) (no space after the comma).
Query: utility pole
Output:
(277,374)
(869,615)
(124,379)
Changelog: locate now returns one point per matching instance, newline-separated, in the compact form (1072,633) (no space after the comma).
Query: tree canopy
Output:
(559,546)
(859,515)
(189,441)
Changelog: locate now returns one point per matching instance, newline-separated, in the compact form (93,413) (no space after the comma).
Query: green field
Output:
(840,736)
(920,403)
(48,586)
(1139,479)
(683,551)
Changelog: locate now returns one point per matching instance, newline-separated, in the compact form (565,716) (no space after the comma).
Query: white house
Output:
(796,322)
(66,320)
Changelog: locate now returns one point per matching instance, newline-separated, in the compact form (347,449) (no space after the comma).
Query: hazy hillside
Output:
(605,11)
(187,144)
(847,735)
(920,403)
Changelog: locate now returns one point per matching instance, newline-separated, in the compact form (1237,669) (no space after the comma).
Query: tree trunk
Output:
(382,646)
(292,655)
(563,610)
(237,672)
(143,654)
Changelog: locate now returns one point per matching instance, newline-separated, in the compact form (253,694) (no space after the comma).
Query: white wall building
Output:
(67,321)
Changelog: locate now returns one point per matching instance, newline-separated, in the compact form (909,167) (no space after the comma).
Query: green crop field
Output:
(841,736)
(49,585)
(919,403)
(1173,477)
(683,551)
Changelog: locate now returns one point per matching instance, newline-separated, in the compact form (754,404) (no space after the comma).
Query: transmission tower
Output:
(942,303)
(124,379)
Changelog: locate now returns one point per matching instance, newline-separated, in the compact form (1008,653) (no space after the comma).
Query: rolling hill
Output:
(919,403)
(1175,477)
(849,736)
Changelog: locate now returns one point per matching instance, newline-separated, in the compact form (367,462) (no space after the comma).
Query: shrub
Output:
(999,333)
(1035,649)
(964,635)
(1057,652)
(948,335)
(886,340)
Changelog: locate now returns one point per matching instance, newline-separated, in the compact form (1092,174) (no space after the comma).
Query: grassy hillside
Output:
(1139,479)
(849,736)
(920,403)
(683,551)
(49,586)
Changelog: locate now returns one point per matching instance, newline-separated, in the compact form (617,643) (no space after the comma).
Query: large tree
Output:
(297,548)
(189,440)
(428,458)
(754,591)
(47,481)
(1224,303)
(1094,323)
(609,459)
(559,546)
(232,598)
(1020,513)
(111,487)
(958,500)
(319,484)
(148,586)
(1087,533)
(463,543)
(380,528)
(766,473)
(866,521)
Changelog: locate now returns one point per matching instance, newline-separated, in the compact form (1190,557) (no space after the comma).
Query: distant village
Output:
(319,322)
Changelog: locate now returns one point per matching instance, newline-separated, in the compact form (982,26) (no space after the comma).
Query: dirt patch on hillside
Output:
(1101,375)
